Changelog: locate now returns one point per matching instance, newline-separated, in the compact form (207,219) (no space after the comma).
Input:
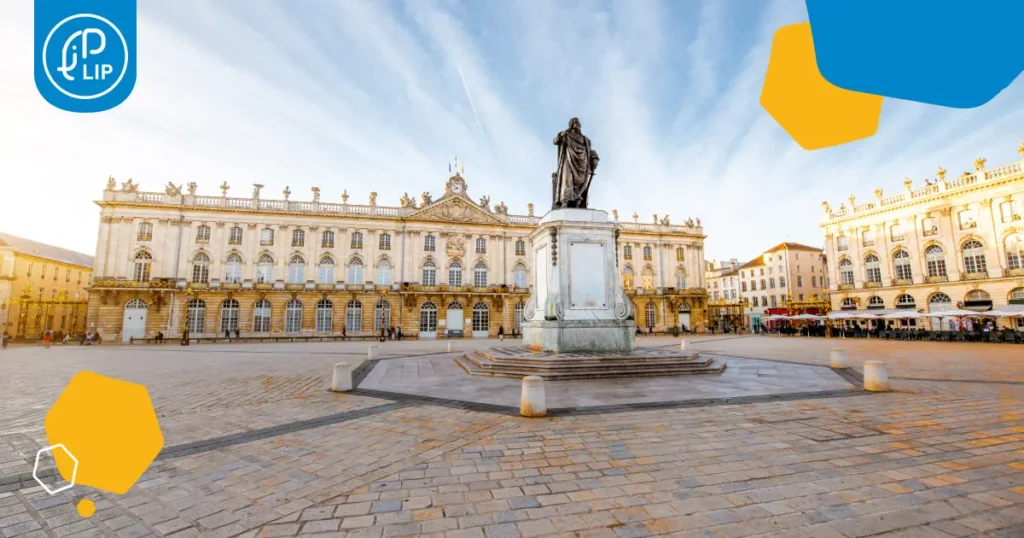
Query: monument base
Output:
(579,335)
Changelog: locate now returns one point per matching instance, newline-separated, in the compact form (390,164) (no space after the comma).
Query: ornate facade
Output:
(449,266)
(952,242)
(784,279)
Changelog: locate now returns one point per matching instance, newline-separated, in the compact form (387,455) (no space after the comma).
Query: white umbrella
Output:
(807,316)
(909,314)
(840,315)
(1004,314)
(954,313)
(775,317)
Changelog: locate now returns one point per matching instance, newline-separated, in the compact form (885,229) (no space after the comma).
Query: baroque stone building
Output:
(444,267)
(788,278)
(952,242)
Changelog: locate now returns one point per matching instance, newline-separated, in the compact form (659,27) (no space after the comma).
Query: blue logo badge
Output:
(85,52)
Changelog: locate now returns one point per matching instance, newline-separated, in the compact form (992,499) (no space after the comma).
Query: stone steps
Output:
(557,369)
(559,360)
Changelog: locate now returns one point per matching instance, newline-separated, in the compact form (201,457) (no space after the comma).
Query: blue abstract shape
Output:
(953,53)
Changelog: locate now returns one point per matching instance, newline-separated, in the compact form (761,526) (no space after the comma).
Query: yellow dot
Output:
(86,508)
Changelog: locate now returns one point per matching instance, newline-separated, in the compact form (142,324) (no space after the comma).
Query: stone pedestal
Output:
(577,304)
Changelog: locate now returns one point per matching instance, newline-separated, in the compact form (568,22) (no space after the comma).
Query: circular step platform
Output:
(514,362)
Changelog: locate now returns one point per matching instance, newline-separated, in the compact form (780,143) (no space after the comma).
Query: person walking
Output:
(47,339)
(398,332)
(501,332)
(4,339)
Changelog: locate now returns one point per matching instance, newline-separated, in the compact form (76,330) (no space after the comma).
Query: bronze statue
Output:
(576,165)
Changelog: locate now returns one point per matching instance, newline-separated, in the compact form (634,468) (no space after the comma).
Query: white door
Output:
(684,321)
(134,323)
(455,321)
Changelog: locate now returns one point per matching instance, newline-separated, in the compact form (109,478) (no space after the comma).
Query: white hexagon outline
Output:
(74,473)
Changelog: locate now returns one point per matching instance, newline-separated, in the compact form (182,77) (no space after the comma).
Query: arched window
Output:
(381,315)
(872,269)
(627,252)
(385,241)
(261,316)
(265,268)
(876,302)
(327,239)
(680,278)
(296,270)
(429,273)
(520,247)
(651,315)
(298,238)
(517,320)
(136,304)
(354,317)
(939,301)
(357,240)
(201,268)
(901,265)
(203,234)
(846,271)
(428,317)
(519,276)
(648,276)
(680,254)
(143,262)
(848,304)
(429,243)
(480,275)
(481,245)
(936,261)
(233,268)
(647,253)
(455,274)
(1017,296)
(974,257)
(293,316)
(627,278)
(1014,251)
(196,315)
(324,316)
(905,301)
(978,295)
(384,272)
(355,272)
(229,316)
(145,231)
(235,235)
(325,271)
(481,317)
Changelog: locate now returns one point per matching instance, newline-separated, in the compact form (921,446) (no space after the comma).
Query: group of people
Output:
(390,333)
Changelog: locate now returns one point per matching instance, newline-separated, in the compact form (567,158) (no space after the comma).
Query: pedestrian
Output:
(227,334)
(398,332)
(237,334)
(67,338)
(184,337)
(501,332)
(47,339)
(4,338)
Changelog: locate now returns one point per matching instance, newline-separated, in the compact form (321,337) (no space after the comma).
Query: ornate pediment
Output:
(456,208)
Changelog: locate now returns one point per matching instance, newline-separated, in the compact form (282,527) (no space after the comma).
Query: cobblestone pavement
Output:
(930,459)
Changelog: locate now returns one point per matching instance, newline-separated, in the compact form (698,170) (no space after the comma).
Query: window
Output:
(385,241)
(876,302)
(67,275)
(650,315)
(896,232)
(267,237)
(355,272)
(296,270)
(936,261)
(679,254)
(627,252)
(764,284)
(327,239)
(354,317)
(480,275)
(481,318)
(901,265)
(681,278)
(79,277)
(974,257)
(754,301)
(978,295)
(519,276)
(842,243)
(232,269)
(324,316)
(261,316)
(647,253)
(201,268)
(265,269)
(517,321)
(229,316)
(298,238)
(455,274)
(743,286)
(481,245)
(325,270)
(814,281)
(203,234)
(381,315)
(42,272)
(627,278)
(196,315)
(1015,251)
(782,282)
(428,317)
(1008,212)
(775,304)
(293,316)
(648,278)
(235,235)
(849,304)
(846,272)
(429,273)
(967,219)
(1017,296)
(801,297)
(872,269)
(929,226)
(939,301)
(357,240)
(429,243)
(143,261)
(799,281)
(867,239)
(520,247)
(905,301)
(145,231)
(771,283)
(28,269)
(384,272)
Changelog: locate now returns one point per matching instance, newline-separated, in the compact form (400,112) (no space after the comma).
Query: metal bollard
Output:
(532,402)
(875,377)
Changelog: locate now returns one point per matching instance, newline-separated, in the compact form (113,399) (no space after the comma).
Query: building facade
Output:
(785,278)
(723,284)
(42,288)
(435,267)
(952,242)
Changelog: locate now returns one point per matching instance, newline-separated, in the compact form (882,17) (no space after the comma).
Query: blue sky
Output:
(380,95)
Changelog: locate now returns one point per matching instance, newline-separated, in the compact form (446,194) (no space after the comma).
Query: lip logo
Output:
(85,53)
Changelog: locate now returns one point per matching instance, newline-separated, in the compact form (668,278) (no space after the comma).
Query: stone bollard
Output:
(342,380)
(875,377)
(371,354)
(449,345)
(839,359)
(682,345)
(532,403)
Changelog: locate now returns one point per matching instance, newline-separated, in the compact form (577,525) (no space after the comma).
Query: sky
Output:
(381,95)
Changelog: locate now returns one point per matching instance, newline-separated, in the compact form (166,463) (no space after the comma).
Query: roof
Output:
(42,250)
(756,262)
(785,245)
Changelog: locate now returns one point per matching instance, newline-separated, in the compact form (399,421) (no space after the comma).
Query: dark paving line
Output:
(957,380)
(694,342)
(852,376)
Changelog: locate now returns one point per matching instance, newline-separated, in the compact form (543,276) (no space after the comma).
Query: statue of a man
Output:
(576,165)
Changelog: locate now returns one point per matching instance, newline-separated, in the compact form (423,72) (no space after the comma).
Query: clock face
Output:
(456,187)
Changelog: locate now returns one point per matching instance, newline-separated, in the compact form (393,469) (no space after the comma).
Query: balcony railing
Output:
(845,287)
(936,279)
(902,282)
(872,284)
(1014,272)
(977,275)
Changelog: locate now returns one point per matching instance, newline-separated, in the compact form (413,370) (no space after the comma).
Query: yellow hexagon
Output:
(814,112)
(110,427)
